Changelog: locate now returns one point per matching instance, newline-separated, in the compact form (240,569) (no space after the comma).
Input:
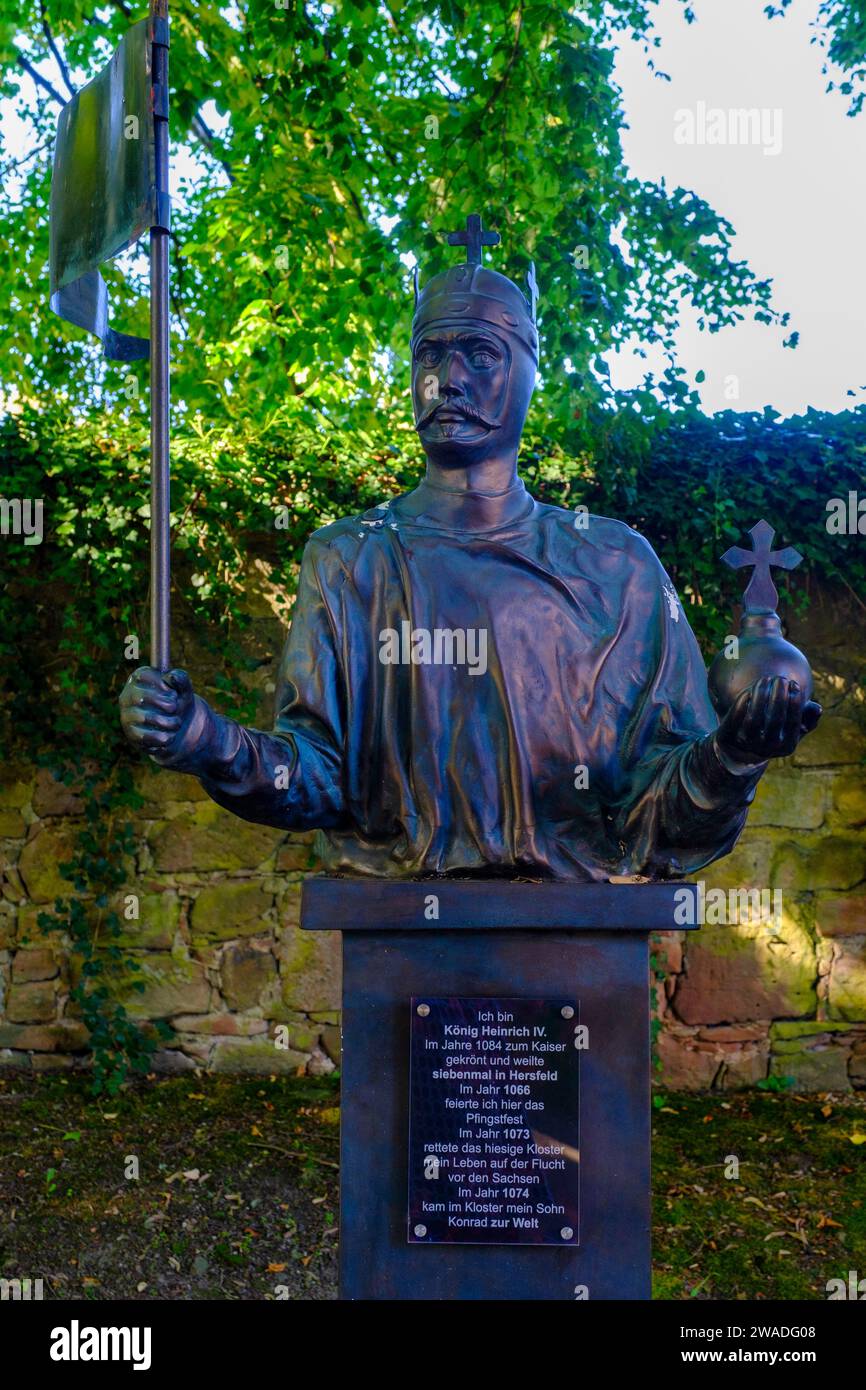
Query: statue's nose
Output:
(450,389)
(452,380)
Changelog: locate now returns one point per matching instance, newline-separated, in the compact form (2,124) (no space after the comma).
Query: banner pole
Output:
(160,504)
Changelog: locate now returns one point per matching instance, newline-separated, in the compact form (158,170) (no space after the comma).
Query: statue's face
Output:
(470,393)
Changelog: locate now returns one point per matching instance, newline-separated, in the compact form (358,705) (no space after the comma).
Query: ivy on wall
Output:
(73,607)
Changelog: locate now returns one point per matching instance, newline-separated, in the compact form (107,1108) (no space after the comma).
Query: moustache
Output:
(463,408)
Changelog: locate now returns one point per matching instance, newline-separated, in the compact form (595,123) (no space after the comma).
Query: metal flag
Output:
(108,187)
(103,187)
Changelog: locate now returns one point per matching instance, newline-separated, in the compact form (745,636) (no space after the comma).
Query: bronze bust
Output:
(475,682)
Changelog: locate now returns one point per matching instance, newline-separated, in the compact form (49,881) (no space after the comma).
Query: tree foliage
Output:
(351,137)
(840,30)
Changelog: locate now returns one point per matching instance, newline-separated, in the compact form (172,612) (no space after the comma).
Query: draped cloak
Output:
(582,750)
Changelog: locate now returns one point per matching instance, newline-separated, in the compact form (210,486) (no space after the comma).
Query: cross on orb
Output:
(761,595)
(473,239)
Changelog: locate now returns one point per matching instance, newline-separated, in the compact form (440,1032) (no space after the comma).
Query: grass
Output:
(235,1198)
(794,1216)
(236,1190)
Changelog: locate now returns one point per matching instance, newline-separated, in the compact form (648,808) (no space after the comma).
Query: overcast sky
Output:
(799,214)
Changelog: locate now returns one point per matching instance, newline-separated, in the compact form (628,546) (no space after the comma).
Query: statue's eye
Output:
(429,356)
(483,358)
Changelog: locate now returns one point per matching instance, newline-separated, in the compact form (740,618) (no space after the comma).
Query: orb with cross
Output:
(759,651)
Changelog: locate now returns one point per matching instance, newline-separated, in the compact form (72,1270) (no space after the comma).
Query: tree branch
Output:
(503,81)
(203,133)
(40,80)
(49,38)
(8,165)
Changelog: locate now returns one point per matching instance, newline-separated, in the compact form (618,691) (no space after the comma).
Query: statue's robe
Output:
(582,751)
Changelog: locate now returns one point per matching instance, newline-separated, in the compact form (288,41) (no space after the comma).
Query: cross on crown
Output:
(475,238)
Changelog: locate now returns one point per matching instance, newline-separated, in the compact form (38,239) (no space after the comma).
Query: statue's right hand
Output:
(156,711)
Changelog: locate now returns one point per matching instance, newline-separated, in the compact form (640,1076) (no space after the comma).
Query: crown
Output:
(470,293)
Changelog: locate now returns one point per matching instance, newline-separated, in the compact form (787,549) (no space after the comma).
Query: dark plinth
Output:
(494,939)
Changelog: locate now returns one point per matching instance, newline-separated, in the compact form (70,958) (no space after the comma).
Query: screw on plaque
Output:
(423,1010)
(567,1011)
(420,1231)
(566,1233)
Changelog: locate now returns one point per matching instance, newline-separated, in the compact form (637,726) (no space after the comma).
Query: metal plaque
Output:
(493,1121)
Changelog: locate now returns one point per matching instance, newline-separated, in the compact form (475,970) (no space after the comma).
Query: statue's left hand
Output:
(767,721)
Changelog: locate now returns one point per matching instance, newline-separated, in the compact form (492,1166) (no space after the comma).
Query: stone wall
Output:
(217,936)
(224,963)
(748,1003)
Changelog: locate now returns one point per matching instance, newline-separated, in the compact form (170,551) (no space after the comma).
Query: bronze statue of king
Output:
(472,683)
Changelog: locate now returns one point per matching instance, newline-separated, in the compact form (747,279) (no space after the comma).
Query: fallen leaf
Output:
(275,1269)
(828,1221)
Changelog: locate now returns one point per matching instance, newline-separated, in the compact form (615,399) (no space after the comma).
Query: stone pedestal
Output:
(476,938)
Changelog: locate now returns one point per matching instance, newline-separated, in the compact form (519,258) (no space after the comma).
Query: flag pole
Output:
(160,506)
